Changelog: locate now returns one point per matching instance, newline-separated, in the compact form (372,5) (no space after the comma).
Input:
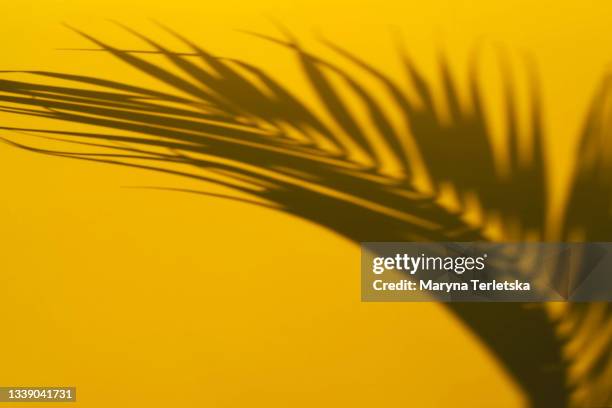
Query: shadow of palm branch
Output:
(231,124)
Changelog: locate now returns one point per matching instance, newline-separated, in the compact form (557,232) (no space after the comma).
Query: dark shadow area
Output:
(231,124)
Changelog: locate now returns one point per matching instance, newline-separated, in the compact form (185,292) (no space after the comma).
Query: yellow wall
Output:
(153,298)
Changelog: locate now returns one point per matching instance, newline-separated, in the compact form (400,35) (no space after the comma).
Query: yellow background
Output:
(152,298)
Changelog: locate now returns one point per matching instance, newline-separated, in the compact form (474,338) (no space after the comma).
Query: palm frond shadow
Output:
(230,124)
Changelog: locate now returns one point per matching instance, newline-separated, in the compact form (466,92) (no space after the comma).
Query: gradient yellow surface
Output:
(152,298)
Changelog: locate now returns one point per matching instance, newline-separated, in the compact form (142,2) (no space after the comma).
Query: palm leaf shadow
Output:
(231,124)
